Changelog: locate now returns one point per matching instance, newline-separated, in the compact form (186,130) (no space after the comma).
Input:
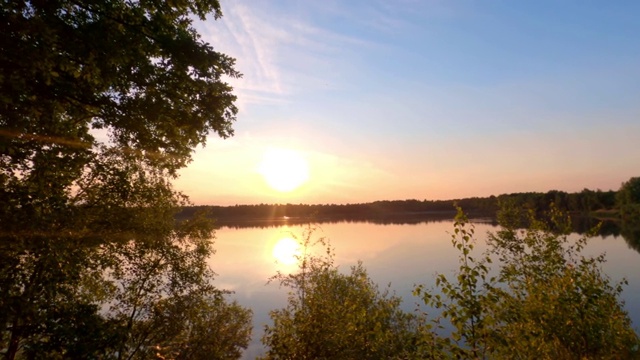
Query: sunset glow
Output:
(421,100)
(284,170)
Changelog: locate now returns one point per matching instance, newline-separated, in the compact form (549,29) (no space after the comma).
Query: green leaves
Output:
(628,202)
(547,300)
(138,70)
(331,315)
(89,225)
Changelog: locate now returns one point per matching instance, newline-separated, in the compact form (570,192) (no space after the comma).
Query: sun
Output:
(286,251)
(284,170)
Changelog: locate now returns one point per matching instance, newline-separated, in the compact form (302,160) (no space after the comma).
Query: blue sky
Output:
(426,99)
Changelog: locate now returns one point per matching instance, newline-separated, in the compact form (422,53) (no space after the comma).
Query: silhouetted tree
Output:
(87,222)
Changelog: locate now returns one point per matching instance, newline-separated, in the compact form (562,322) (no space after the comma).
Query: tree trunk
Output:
(14,341)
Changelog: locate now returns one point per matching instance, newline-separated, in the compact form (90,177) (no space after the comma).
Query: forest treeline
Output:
(584,202)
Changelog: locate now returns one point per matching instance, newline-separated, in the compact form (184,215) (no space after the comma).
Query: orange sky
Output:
(427,100)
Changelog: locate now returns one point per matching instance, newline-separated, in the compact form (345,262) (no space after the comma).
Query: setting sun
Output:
(284,170)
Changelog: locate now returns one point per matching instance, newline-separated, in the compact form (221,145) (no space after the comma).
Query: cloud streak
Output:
(281,53)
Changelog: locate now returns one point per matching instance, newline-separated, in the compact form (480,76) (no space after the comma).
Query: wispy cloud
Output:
(280,52)
(236,34)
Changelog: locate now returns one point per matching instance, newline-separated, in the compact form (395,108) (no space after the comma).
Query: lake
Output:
(398,254)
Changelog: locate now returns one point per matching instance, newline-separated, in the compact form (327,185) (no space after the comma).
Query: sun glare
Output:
(284,170)
(286,251)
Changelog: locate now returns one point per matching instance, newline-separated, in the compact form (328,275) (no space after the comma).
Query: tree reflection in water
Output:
(630,231)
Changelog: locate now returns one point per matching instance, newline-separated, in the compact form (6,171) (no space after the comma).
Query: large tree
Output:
(101,102)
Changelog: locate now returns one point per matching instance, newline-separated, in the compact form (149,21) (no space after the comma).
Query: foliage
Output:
(559,299)
(628,200)
(546,301)
(196,327)
(136,68)
(331,315)
(466,302)
(88,230)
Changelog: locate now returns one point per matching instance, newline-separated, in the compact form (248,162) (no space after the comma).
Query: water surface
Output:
(398,254)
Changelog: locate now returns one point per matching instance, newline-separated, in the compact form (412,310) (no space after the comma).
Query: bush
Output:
(547,300)
(331,315)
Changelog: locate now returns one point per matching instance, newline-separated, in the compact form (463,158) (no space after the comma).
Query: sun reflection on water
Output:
(286,251)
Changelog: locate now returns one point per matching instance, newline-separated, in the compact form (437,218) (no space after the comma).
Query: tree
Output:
(546,301)
(72,204)
(557,298)
(628,200)
(197,327)
(331,315)
(466,302)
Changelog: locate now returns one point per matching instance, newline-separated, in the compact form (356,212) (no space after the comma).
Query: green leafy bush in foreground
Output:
(546,301)
(331,315)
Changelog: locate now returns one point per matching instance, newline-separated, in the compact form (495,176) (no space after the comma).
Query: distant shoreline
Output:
(387,218)
(584,203)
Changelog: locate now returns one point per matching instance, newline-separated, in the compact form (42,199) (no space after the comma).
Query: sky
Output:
(427,99)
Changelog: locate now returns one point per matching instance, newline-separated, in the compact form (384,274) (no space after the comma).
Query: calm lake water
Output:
(400,254)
